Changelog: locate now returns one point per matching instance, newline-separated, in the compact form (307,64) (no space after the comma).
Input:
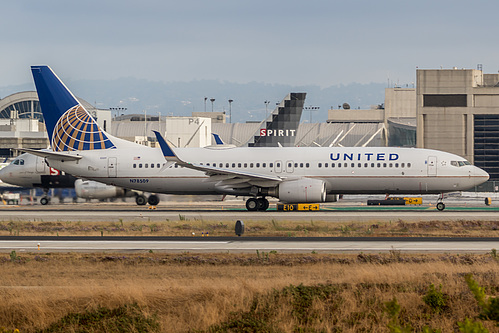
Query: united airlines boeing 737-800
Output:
(291,174)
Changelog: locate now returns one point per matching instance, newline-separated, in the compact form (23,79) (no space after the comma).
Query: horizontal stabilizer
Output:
(51,154)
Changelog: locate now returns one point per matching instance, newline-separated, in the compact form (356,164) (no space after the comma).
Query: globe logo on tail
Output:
(77,130)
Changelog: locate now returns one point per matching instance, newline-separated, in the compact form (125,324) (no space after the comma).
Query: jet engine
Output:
(89,189)
(302,190)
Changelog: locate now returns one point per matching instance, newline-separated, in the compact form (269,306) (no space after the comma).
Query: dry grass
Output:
(183,227)
(194,292)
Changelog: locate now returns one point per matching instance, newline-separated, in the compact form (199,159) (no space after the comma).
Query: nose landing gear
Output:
(440,204)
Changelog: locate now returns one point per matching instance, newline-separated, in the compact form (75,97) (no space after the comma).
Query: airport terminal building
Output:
(454,110)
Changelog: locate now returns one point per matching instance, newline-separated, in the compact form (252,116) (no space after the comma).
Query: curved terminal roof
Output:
(27,106)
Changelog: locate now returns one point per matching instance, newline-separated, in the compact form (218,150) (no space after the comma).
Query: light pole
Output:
(266,108)
(159,123)
(205,98)
(118,109)
(230,110)
(145,127)
(212,100)
(310,109)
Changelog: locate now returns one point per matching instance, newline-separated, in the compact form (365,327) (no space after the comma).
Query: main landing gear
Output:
(141,200)
(257,204)
(440,204)
(45,199)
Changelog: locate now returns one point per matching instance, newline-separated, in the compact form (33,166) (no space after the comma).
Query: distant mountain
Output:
(182,98)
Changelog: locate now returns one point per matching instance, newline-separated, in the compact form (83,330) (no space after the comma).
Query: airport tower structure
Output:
(280,128)
(458,112)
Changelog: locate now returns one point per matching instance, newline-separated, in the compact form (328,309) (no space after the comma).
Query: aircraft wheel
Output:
(140,200)
(252,204)
(44,201)
(153,200)
(263,204)
(440,206)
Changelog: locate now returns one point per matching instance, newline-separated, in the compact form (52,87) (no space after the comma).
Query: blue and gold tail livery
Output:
(69,125)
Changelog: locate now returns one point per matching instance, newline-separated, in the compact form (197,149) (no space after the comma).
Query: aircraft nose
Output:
(3,174)
(481,175)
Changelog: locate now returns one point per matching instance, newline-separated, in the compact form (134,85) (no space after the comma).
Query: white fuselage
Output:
(344,170)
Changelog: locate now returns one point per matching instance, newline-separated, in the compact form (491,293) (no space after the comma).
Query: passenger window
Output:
(301,165)
(345,165)
(320,165)
(390,165)
(372,165)
(251,165)
(379,165)
(238,165)
(278,165)
(326,165)
(233,165)
(296,165)
(146,165)
(140,165)
(271,165)
(134,165)
(333,165)
(352,165)
(264,165)
(258,165)
(245,165)
(384,165)
(408,165)
(307,165)
(339,165)
(396,165)
(402,165)
(152,165)
(159,165)
(359,165)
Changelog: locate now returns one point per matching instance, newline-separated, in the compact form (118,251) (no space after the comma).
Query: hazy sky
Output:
(295,42)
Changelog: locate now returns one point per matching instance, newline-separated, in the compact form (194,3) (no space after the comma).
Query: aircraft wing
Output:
(223,176)
(51,154)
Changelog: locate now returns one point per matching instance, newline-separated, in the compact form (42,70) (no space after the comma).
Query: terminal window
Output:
(443,100)
(486,143)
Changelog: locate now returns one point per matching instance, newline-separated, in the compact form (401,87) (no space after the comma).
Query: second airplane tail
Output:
(69,125)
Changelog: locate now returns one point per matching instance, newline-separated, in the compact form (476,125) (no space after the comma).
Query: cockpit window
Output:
(18,162)
(459,163)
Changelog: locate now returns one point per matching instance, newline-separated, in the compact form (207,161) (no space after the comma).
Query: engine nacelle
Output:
(89,189)
(302,190)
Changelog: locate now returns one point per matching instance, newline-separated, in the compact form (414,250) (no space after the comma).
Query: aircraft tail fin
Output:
(69,125)
(218,139)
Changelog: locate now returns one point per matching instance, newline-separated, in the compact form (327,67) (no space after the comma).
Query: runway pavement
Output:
(248,244)
(232,212)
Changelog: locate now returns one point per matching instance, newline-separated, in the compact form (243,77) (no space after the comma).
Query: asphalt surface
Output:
(247,244)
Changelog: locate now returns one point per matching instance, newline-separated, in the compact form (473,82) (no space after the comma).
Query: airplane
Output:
(290,174)
(30,171)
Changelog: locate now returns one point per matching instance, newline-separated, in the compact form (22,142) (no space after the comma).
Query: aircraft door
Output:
(289,167)
(278,166)
(432,166)
(41,166)
(111,167)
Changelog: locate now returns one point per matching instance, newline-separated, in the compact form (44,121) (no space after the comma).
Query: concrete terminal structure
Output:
(458,112)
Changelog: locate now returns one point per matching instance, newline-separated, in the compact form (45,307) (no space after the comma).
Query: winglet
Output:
(218,139)
(167,150)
